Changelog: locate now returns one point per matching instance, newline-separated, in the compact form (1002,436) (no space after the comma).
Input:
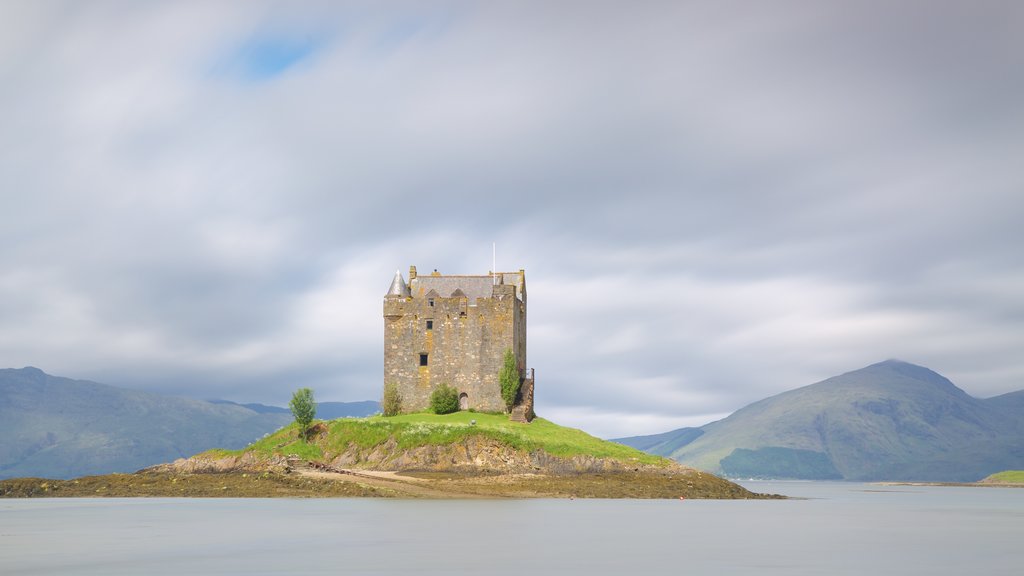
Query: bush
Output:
(391,403)
(509,378)
(444,400)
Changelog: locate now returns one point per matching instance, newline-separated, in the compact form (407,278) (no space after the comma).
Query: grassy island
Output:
(412,431)
(461,455)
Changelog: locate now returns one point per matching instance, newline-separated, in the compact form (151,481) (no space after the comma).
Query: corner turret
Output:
(398,287)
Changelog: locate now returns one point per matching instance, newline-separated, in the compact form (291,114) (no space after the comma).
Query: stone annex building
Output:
(447,329)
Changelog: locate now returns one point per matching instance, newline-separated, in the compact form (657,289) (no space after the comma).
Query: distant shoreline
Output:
(963,484)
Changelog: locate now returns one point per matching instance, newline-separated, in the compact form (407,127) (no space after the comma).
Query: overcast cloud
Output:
(714,201)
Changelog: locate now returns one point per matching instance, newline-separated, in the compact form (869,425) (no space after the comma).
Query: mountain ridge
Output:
(888,421)
(58,427)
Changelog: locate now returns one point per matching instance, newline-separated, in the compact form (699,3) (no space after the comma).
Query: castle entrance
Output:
(463,401)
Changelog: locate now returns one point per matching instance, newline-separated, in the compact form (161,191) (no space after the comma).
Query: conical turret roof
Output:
(398,287)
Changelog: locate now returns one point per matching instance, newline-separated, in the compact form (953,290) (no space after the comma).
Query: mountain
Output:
(332,410)
(56,427)
(889,421)
(255,407)
(662,444)
(1012,402)
(324,410)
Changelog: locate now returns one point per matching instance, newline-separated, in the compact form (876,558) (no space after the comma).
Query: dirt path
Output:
(415,487)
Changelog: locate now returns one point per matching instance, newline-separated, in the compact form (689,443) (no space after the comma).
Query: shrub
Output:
(391,404)
(509,378)
(444,400)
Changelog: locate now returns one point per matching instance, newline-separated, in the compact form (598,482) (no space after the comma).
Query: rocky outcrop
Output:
(477,454)
(207,464)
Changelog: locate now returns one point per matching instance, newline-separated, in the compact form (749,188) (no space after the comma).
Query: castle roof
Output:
(398,288)
(471,287)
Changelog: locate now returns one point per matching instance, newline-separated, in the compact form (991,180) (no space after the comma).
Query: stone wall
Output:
(523,410)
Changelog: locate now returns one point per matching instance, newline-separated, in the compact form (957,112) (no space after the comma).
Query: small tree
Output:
(391,403)
(303,408)
(509,378)
(444,400)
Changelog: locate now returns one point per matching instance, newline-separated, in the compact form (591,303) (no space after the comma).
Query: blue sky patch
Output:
(263,58)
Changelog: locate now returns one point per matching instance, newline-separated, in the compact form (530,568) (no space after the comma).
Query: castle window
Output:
(430,301)
(430,324)
(423,359)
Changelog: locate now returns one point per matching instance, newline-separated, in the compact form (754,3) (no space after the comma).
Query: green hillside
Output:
(1006,477)
(888,421)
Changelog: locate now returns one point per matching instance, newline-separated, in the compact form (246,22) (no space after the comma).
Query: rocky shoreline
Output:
(415,485)
(200,477)
(981,484)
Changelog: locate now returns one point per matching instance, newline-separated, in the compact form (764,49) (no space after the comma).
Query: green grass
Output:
(1009,476)
(221,453)
(285,442)
(421,429)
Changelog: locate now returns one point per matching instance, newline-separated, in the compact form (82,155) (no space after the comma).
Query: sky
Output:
(714,202)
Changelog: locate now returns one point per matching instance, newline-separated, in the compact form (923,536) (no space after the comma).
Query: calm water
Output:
(841,529)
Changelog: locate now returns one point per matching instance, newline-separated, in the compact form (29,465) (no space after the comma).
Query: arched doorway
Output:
(463,401)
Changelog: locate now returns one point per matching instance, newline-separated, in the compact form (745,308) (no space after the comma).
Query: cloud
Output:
(713,201)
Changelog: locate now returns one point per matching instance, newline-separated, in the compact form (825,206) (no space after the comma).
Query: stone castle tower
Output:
(446,329)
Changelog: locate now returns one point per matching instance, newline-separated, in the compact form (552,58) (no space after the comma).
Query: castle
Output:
(448,329)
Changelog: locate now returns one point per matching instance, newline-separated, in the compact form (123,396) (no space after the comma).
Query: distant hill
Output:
(888,421)
(61,428)
(255,407)
(332,410)
(324,410)
(662,444)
